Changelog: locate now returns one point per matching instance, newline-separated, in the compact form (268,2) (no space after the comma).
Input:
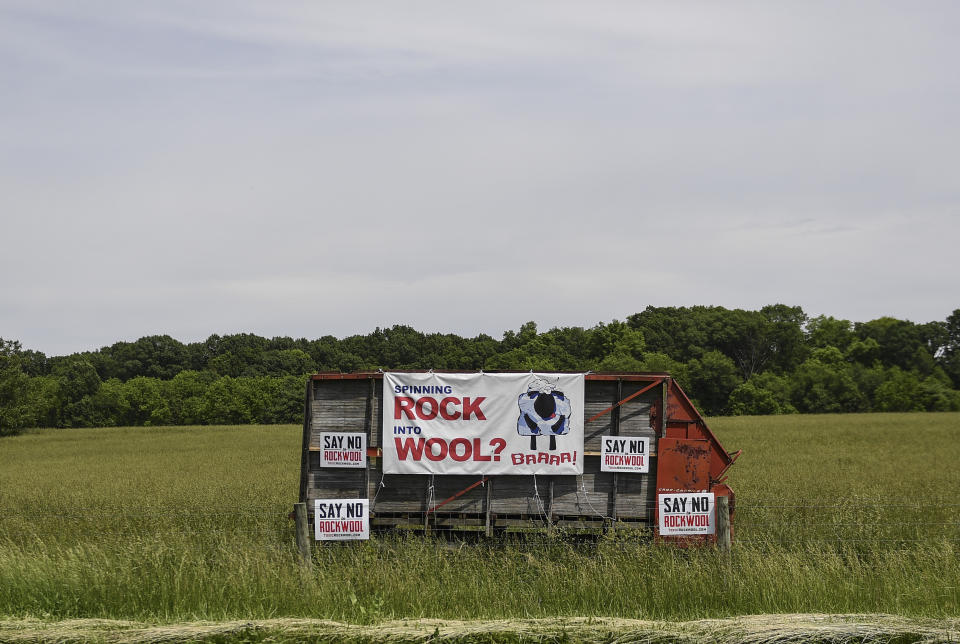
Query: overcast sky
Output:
(309,168)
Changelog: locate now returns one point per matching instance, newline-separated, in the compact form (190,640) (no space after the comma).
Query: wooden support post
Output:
(369,423)
(664,393)
(489,522)
(549,512)
(427,504)
(307,426)
(303,534)
(615,427)
(723,523)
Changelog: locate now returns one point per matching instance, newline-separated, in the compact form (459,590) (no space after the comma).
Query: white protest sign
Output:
(342,449)
(341,519)
(687,513)
(624,454)
(479,423)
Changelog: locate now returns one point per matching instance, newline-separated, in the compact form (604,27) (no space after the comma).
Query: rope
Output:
(380,486)
(539,501)
(586,496)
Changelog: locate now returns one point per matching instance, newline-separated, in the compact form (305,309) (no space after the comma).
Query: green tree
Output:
(784,335)
(900,391)
(950,357)
(662,363)
(866,352)
(185,396)
(110,405)
(240,354)
(755,340)
(147,402)
(765,393)
(529,350)
(899,341)
(79,382)
(293,362)
(867,380)
(824,384)
(156,356)
(231,401)
(937,396)
(533,356)
(827,331)
(14,409)
(713,377)
(43,401)
(284,400)
(33,363)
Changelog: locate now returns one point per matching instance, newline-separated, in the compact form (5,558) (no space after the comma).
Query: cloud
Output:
(302,168)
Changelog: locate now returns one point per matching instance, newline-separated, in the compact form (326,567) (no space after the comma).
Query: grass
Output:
(835,514)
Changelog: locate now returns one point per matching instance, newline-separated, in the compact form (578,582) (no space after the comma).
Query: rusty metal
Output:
(459,494)
(683,465)
(690,458)
(627,399)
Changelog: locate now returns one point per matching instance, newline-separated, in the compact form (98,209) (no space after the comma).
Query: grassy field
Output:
(835,514)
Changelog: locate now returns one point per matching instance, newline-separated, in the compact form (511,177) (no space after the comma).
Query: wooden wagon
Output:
(685,456)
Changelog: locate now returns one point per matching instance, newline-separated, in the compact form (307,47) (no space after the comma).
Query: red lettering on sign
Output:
(408,446)
(548,458)
(686,521)
(433,408)
(635,460)
(339,527)
(459,449)
(473,407)
(477,455)
(404,405)
(443,449)
(444,410)
(467,449)
(427,408)
(335,456)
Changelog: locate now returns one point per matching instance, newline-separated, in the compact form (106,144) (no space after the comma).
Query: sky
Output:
(312,168)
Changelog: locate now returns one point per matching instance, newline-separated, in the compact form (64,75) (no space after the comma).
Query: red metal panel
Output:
(683,465)
(677,431)
(681,413)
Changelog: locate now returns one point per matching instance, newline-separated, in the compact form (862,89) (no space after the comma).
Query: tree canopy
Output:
(730,361)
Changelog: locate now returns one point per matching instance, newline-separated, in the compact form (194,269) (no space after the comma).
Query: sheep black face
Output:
(544,411)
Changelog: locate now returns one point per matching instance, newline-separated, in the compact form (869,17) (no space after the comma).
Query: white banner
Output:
(343,449)
(687,513)
(624,454)
(341,519)
(477,423)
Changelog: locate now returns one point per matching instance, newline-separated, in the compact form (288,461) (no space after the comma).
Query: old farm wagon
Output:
(376,455)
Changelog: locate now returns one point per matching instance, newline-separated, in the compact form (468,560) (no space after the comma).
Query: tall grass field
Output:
(834,514)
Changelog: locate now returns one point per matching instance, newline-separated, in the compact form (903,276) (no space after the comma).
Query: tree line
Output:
(730,361)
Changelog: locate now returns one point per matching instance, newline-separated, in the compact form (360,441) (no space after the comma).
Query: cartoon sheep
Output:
(544,411)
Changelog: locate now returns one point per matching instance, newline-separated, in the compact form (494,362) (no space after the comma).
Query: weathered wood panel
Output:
(636,494)
(340,406)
